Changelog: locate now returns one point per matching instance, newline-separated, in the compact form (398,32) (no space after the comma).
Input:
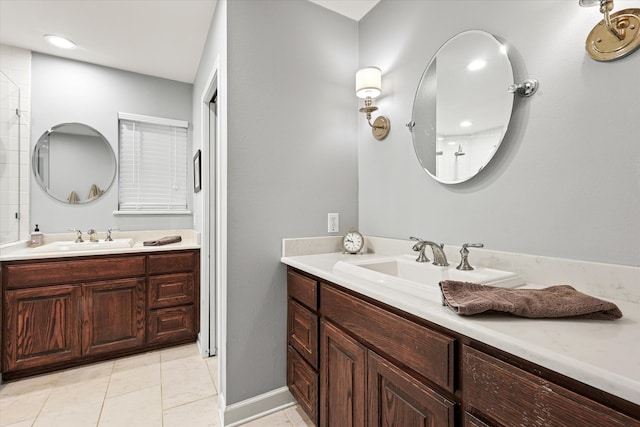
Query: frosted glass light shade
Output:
(368,82)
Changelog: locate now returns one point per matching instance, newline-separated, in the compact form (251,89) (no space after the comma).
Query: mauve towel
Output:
(163,241)
(555,301)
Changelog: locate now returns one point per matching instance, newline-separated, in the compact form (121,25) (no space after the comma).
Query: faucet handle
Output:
(79,235)
(464,255)
(108,238)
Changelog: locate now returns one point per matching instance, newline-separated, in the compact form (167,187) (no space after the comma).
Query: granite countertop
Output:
(602,354)
(22,251)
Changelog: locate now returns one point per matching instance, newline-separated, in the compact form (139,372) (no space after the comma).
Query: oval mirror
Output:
(74,163)
(462,107)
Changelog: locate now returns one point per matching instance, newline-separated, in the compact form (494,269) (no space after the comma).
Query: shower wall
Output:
(15,78)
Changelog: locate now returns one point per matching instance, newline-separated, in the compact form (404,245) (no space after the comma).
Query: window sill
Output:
(174,213)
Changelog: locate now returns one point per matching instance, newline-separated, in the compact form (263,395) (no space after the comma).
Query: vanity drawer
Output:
(303,332)
(303,383)
(303,289)
(169,290)
(172,262)
(33,273)
(171,323)
(512,396)
(427,352)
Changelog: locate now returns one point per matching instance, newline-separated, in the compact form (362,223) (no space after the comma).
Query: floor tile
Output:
(298,417)
(25,423)
(179,352)
(23,406)
(134,373)
(277,419)
(140,408)
(77,394)
(26,385)
(185,380)
(201,413)
(74,415)
(212,364)
(86,373)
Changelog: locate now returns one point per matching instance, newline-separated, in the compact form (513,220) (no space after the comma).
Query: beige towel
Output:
(556,301)
(94,191)
(73,198)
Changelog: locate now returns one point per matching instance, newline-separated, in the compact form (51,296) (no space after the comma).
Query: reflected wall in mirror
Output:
(462,107)
(74,163)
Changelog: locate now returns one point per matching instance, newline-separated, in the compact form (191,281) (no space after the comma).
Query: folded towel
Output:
(163,241)
(556,301)
(73,198)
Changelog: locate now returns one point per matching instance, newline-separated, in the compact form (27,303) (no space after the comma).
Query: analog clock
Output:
(352,242)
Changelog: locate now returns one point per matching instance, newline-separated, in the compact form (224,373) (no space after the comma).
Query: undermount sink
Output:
(70,245)
(405,271)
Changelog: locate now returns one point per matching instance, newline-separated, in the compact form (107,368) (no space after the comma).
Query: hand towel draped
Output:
(553,302)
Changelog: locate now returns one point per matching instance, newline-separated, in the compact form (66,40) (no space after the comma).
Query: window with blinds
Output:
(153,164)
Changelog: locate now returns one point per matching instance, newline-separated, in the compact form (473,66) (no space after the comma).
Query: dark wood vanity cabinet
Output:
(340,343)
(66,311)
(171,294)
(379,366)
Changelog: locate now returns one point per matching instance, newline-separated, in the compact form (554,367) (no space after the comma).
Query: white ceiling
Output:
(162,38)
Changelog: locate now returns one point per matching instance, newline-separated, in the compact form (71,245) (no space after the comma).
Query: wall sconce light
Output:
(617,35)
(368,86)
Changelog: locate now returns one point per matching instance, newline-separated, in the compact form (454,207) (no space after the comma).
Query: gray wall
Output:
(292,158)
(566,182)
(70,91)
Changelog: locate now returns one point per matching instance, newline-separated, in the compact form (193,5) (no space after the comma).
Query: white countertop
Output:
(602,354)
(22,251)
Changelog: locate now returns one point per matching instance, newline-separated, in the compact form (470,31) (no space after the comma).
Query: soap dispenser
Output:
(37,237)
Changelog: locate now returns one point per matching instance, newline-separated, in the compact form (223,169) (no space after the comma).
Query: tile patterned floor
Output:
(166,388)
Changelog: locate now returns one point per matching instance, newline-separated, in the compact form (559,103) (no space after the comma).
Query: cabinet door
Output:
(343,377)
(41,326)
(397,399)
(113,315)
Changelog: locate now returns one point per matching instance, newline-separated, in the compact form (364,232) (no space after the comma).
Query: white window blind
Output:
(153,164)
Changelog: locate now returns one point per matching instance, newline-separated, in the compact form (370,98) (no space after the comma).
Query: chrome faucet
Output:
(93,236)
(464,255)
(78,236)
(439,258)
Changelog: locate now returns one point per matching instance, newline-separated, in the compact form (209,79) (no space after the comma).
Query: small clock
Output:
(352,242)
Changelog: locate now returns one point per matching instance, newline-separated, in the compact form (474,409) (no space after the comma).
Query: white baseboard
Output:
(257,407)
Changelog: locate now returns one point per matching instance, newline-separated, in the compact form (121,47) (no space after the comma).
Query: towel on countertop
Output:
(553,302)
(163,241)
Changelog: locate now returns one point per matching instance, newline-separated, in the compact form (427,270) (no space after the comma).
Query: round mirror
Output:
(74,163)
(462,107)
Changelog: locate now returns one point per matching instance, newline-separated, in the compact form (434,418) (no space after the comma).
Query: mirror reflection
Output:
(462,107)
(74,163)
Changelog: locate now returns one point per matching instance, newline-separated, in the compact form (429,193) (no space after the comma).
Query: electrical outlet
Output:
(333,220)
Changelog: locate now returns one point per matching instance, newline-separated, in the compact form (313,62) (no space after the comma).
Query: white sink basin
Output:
(71,246)
(404,270)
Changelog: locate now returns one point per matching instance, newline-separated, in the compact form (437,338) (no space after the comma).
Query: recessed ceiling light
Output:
(476,65)
(60,41)
(465,124)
